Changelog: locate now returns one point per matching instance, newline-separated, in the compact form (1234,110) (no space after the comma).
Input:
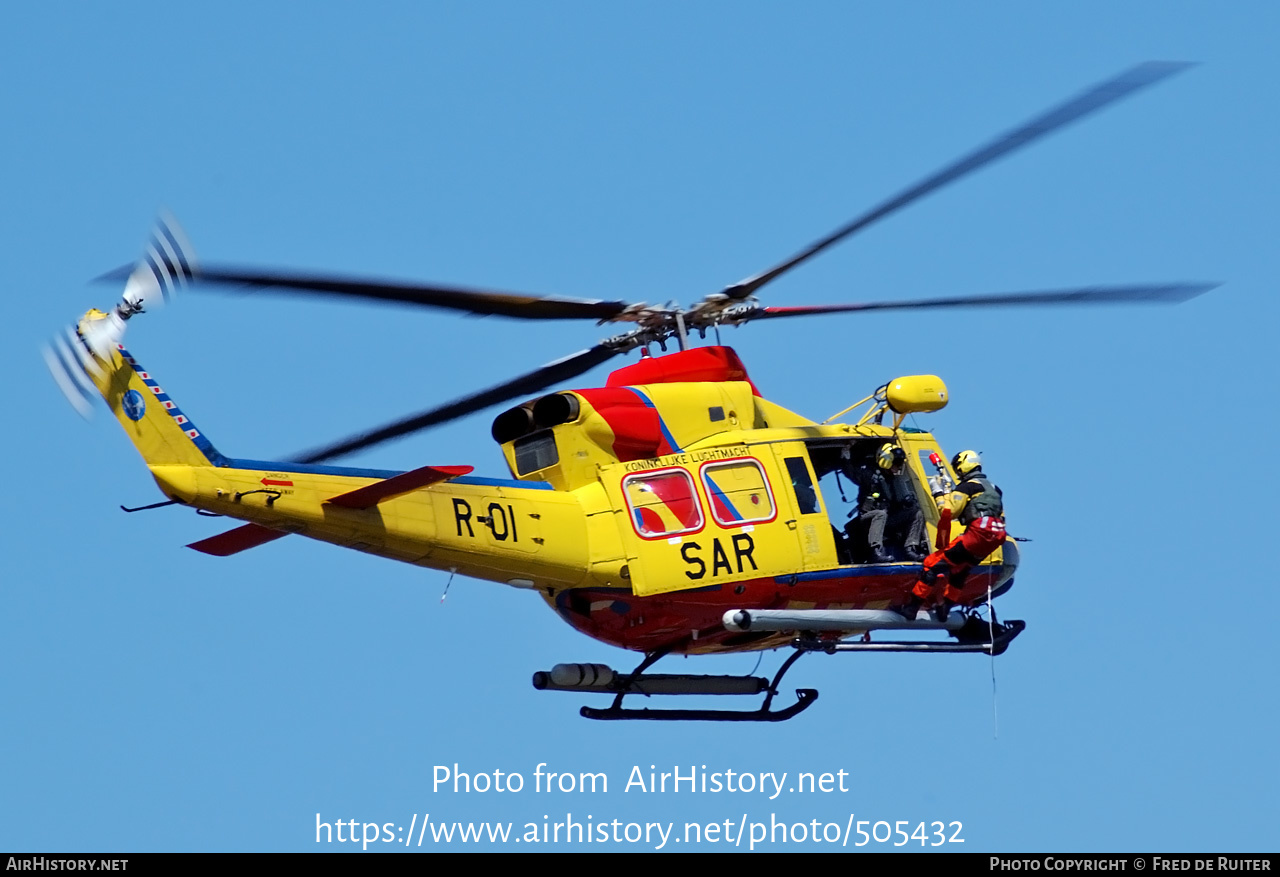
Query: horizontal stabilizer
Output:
(237,540)
(370,496)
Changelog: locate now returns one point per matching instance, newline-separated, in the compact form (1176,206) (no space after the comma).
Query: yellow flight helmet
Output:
(965,462)
(889,456)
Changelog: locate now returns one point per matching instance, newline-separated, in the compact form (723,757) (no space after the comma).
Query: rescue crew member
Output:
(886,502)
(979,505)
(905,525)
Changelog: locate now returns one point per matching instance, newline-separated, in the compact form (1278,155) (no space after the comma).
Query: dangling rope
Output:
(453,571)
(991,635)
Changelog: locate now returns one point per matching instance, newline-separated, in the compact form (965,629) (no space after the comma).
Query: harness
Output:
(986,501)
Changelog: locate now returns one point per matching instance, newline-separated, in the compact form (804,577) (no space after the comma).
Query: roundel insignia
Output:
(134,405)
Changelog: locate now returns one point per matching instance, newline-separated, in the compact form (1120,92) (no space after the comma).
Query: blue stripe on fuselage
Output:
(662,424)
(351,472)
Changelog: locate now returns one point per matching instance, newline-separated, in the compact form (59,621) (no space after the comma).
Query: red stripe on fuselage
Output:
(644,624)
(637,426)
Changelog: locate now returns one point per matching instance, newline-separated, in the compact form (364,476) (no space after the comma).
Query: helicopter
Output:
(673,511)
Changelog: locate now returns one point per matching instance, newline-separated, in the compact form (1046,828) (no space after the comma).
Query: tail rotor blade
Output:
(69,374)
(88,363)
(167,265)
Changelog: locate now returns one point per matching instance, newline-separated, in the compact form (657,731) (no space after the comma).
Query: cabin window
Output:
(663,503)
(537,451)
(738,492)
(806,496)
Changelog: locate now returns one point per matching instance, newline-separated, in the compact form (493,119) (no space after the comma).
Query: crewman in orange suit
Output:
(978,504)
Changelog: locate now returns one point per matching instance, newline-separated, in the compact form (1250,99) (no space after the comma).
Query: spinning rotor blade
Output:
(166,266)
(549,374)
(1169,292)
(70,362)
(474,301)
(1095,99)
(74,358)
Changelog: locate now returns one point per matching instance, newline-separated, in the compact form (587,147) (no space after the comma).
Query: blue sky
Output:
(157,699)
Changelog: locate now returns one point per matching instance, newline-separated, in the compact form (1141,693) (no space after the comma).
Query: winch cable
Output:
(453,571)
(991,627)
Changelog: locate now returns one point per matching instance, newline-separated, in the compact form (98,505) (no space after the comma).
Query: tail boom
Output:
(519,533)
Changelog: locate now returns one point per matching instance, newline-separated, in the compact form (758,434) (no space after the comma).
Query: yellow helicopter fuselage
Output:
(640,511)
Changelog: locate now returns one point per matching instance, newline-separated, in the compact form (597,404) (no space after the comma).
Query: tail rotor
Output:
(167,265)
(74,356)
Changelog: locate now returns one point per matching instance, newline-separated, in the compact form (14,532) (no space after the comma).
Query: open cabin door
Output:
(920,447)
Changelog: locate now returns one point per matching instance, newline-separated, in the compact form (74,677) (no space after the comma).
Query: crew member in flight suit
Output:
(905,525)
(979,505)
(887,502)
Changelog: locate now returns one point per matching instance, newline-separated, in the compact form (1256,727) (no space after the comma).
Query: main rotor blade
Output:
(474,301)
(1095,99)
(551,373)
(1148,294)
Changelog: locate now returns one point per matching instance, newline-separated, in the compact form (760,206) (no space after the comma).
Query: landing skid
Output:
(634,683)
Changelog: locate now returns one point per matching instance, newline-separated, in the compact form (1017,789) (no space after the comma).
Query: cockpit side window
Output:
(806,496)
